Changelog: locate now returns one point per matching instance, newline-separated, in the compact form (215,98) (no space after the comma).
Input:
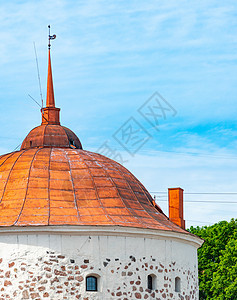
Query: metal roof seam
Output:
(19,215)
(74,195)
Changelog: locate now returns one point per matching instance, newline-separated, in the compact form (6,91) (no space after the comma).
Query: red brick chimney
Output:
(176,206)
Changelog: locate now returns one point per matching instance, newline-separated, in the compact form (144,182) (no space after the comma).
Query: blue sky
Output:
(108,59)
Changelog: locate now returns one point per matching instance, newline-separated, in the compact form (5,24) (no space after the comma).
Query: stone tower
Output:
(77,225)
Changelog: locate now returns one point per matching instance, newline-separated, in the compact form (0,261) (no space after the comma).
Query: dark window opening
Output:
(72,143)
(177,284)
(149,282)
(91,283)
(30,143)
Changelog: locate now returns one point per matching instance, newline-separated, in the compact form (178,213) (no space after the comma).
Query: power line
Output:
(204,193)
(203,222)
(227,193)
(211,201)
(204,201)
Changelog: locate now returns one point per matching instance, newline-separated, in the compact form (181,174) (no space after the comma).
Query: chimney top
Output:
(176,206)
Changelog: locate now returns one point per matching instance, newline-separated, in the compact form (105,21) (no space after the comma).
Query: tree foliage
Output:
(217,260)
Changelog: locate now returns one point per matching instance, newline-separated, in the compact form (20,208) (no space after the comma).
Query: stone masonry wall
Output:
(37,271)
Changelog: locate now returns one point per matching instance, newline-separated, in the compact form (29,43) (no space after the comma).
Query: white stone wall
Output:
(42,265)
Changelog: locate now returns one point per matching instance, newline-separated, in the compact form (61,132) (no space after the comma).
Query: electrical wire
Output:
(203,193)
(204,201)
(203,222)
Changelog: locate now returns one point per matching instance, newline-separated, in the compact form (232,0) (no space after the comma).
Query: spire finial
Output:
(50,114)
(51,37)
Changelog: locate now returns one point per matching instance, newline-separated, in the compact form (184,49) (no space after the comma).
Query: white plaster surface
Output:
(37,264)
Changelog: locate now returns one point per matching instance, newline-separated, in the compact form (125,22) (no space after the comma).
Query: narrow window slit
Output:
(177,284)
(151,282)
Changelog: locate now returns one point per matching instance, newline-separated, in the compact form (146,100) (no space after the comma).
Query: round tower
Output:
(77,225)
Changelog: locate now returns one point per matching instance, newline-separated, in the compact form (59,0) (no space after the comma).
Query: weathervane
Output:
(51,37)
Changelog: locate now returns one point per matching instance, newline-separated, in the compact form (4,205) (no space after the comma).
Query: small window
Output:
(72,143)
(91,283)
(177,284)
(30,143)
(151,282)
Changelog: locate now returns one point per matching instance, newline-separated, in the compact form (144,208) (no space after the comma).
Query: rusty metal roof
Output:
(51,136)
(64,186)
(52,181)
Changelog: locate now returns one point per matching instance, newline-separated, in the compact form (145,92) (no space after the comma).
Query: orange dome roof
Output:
(63,186)
(52,181)
(51,136)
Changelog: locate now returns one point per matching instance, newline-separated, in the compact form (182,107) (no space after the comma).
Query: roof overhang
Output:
(187,238)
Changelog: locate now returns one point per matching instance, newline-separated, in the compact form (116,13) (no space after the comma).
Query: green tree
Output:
(225,278)
(217,260)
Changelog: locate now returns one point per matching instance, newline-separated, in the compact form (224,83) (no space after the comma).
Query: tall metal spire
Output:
(50,114)
(50,92)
